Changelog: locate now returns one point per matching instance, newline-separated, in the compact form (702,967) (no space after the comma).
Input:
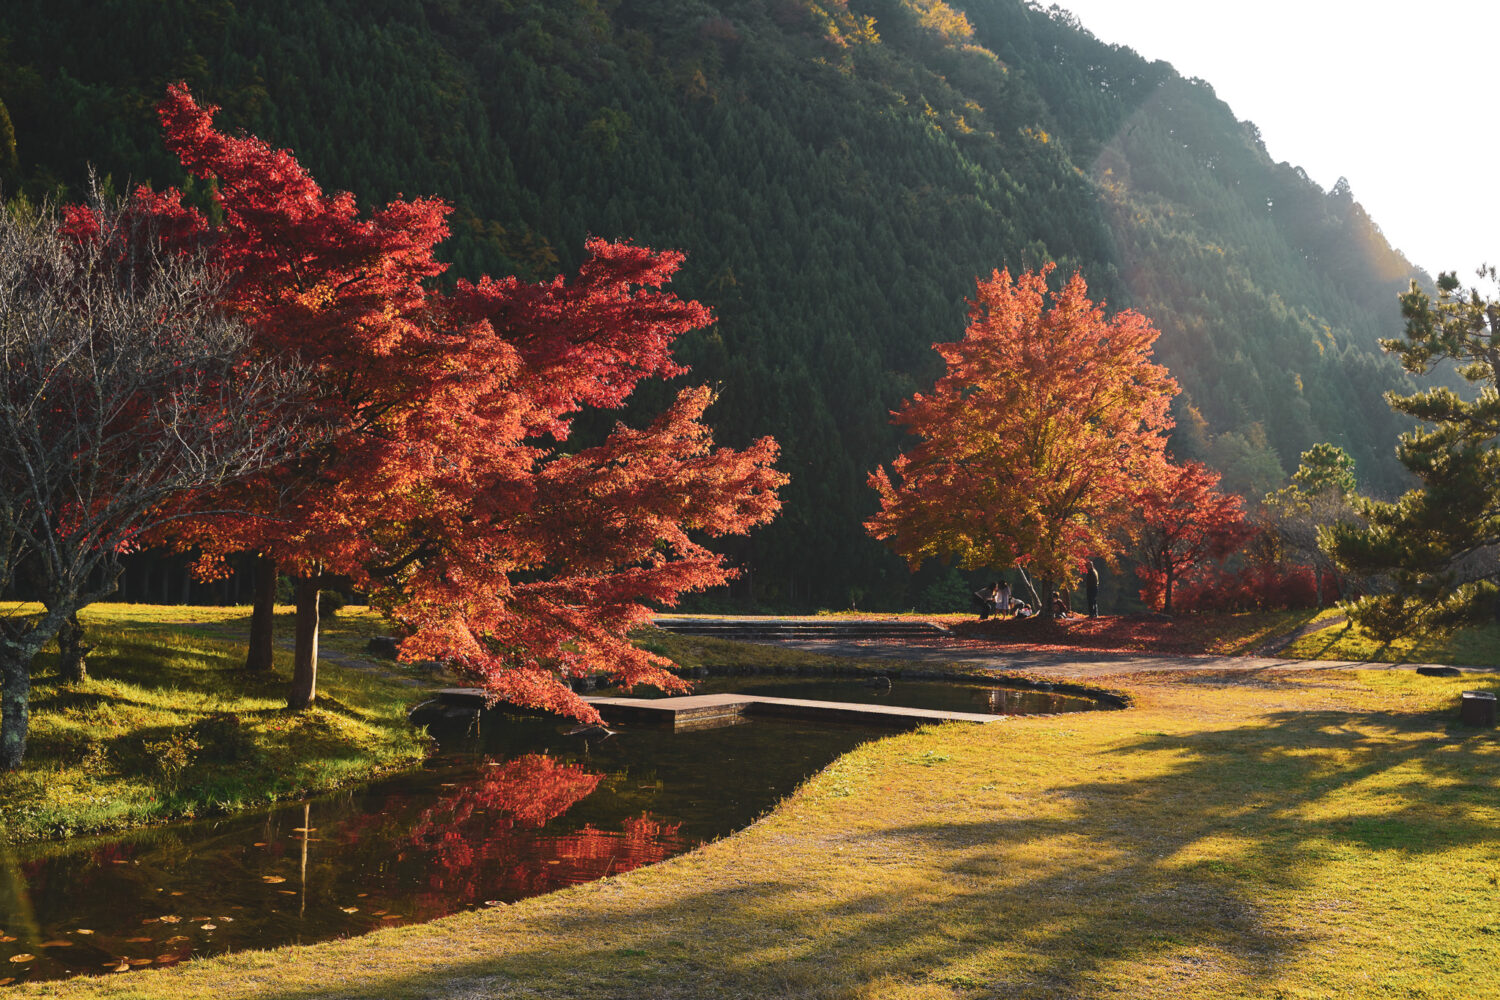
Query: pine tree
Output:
(1439,545)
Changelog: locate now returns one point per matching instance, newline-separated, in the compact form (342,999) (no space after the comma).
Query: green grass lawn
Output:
(1472,647)
(1316,834)
(167,725)
(1312,835)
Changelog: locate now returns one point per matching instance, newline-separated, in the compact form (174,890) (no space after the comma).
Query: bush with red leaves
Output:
(1257,587)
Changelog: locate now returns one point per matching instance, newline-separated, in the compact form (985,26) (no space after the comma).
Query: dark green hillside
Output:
(837,172)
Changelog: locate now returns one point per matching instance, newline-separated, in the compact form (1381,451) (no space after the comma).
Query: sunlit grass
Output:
(1307,836)
(1473,647)
(168,725)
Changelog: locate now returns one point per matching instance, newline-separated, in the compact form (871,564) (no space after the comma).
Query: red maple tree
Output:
(1031,446)
(1185,521)
(448,488)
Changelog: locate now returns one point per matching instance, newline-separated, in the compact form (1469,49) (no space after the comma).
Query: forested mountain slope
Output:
(838,173)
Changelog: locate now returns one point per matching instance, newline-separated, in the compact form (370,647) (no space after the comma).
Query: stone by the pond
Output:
(1477,708)
(1439,671)
(383,646)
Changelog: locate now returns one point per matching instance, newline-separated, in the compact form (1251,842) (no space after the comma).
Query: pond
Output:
(517,809)
(956,696)
(520,810)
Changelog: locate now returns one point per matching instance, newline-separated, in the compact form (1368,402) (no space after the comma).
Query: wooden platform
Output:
(698,710)
(695,711)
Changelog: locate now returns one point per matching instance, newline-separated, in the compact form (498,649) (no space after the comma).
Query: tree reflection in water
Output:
(413,850)
(482,841)
(490,820)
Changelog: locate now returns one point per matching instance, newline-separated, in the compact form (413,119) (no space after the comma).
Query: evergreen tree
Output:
(1439,545)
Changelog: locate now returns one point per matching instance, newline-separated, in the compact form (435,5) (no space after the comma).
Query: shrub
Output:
(329,603)
(1256,587)
(947,593)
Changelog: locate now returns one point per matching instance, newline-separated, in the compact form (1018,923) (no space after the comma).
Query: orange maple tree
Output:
(447,487)
(1185,521)
(1033,444)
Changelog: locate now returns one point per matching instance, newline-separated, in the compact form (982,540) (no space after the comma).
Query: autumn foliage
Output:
(1185,523)
(1033,445)
(448,486)
(1255,586)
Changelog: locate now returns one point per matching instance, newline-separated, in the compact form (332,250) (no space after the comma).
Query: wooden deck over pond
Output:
(687,711)
(695,710)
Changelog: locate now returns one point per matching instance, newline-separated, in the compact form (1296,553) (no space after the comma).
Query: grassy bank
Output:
(1297,836)
(1342,640)
(168,725)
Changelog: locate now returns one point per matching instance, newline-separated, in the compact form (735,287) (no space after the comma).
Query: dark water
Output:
(953,696)
(515,810)
(519,811)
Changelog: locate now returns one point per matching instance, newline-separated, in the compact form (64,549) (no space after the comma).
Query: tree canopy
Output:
(449,486)
(1185,521)
(128,396)
(1033,442)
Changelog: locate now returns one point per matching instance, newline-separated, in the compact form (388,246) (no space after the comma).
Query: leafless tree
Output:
(128,393)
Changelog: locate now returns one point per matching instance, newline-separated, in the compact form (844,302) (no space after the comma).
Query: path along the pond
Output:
(915,641)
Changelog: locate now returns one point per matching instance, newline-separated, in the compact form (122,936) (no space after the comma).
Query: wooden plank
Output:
(702,707)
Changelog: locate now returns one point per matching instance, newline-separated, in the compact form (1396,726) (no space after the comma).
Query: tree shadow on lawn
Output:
(1178,875)
(1185,859)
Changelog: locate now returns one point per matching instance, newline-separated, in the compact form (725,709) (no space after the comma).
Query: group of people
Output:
(997,599)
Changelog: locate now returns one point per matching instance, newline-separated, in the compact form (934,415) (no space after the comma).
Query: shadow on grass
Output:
(1175,868)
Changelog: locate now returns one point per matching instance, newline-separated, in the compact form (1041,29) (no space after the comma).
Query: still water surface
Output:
(954,696)
(518,809)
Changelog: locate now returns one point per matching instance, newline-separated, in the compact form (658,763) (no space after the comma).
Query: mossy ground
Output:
(168,725)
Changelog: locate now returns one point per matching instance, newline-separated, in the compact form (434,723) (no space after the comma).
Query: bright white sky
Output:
(1400,98)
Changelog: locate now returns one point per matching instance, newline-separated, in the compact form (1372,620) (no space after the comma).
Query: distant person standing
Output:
(1002,598)
(1091,588)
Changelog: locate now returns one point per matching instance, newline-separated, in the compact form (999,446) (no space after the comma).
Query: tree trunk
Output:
(1318,585)
(1166,605)
(1047,589)
(15,705)
(305,657)
(1036,601)
(262,616)
(71,651)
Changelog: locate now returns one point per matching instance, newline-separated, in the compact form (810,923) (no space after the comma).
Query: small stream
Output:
(517,809)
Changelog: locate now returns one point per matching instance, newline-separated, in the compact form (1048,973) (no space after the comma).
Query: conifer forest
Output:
(837,174)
